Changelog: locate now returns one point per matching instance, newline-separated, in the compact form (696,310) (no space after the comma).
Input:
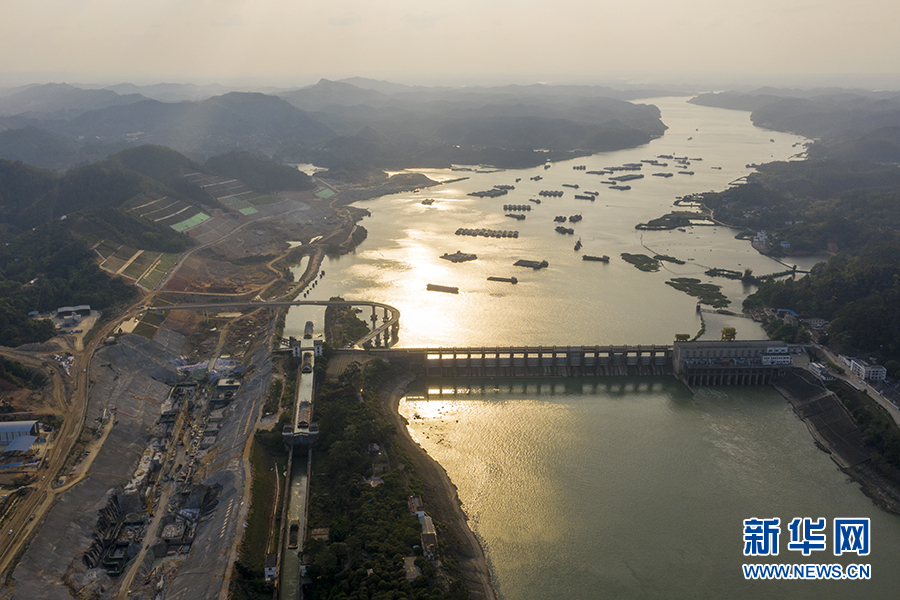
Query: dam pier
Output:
(759,362)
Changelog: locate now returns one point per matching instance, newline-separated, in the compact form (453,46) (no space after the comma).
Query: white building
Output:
(864,370)
(821,371)
(777,359)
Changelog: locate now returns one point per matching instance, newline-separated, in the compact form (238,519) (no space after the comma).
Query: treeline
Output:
(370,528)
(19,375)
(816,205)
(30,197)
(879,430)
(342,325)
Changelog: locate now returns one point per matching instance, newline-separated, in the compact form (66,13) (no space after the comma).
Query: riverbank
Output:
(835,432)
(441,498)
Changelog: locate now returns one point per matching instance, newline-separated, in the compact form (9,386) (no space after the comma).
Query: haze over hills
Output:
(825,113)
(61,101)
(308,124)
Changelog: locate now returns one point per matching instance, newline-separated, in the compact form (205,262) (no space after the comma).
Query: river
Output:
(616,488)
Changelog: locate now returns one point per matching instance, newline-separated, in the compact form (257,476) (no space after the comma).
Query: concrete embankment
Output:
(827,419)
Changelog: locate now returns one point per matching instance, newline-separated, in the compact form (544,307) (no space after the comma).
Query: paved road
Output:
(889,406)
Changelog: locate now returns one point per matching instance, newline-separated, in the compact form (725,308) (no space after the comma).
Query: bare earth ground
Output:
(442,500)
(203,274)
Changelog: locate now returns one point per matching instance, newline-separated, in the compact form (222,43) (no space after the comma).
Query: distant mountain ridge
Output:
(60,100)
(828,113)
(314,122)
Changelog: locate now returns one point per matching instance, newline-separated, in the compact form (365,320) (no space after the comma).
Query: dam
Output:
(755,362)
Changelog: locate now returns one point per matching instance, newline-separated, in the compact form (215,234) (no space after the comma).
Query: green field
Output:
(149,281)
(113,264)
(140,264)
(154,319)
(192,222)
(166,261)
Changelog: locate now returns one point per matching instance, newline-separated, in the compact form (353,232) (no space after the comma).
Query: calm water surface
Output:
(612,488)
(636,488)
(573,301)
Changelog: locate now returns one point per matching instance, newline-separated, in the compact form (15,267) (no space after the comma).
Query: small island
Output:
(708,293)
(641,261)
(674,220)
(458,257)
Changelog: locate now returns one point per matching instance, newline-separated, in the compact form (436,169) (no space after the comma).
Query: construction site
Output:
(149,479)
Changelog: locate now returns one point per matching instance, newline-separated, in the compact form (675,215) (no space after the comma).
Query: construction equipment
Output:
(148,504)
(145,399)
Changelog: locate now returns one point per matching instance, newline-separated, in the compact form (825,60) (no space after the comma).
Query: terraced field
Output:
(155,275)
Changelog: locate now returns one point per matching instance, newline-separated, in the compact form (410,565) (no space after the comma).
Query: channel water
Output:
(613,487)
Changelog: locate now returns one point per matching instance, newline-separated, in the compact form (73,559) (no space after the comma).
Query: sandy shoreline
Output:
(441,500)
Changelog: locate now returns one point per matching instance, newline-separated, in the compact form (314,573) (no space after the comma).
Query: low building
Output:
(821,371)
(864,370)
(429,539)
(83,310)
(21,444)
(777,359)
(788,316)
(10,430)
(270,570)
(416,506)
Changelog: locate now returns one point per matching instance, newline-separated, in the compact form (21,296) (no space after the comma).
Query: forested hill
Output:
(850,210)
(43,269)
(826,114)
(510,126)
(48,221)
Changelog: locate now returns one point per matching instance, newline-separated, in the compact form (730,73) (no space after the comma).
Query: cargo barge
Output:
(433,287)
(532,264)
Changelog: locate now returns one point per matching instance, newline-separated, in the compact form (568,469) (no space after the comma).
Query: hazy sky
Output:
(412,40)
